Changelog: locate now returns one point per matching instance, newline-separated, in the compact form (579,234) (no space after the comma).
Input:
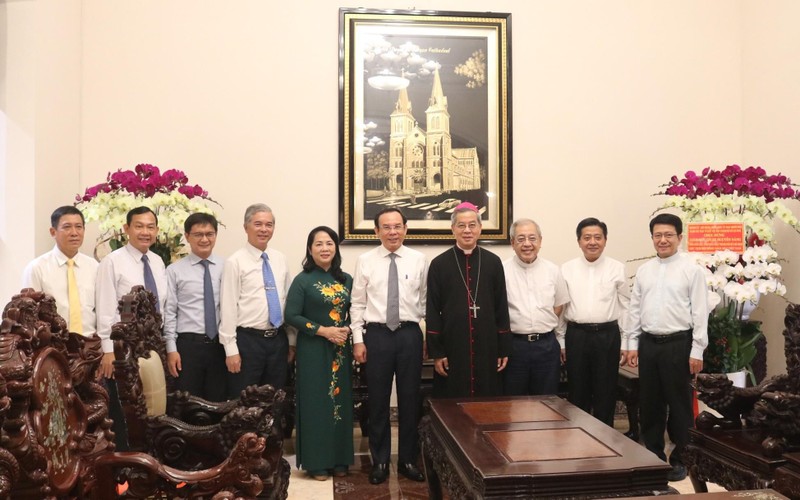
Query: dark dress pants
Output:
(593,369)
(534,367)
(264,361)
(117,416)
(664,383)
(393,354)
(203,371)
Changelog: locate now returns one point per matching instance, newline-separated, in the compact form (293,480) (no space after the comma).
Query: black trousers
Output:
(393,354)
(117,416)
(664,384)
(264,361)
(203,371)
(593,368)
(533,368)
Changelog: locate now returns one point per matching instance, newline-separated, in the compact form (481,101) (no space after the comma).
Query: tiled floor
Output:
(356,485)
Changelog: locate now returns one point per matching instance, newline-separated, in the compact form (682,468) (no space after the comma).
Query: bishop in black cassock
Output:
(467,323)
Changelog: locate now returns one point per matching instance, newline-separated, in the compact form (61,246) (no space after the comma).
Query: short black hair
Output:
(201,219)
(667,219)
(389,210)
(59,212)
(139,211)
(589,222)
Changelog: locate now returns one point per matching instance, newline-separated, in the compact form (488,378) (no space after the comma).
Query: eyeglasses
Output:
(200,236)
(396,227)
(522,239)
(668,236)
(472,226)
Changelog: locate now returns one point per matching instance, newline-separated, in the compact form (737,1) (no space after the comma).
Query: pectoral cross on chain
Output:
(474,308)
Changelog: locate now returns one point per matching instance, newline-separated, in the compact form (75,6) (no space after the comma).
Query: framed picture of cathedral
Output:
(425,120)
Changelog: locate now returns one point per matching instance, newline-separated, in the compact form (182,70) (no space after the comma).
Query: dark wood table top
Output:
(541,445)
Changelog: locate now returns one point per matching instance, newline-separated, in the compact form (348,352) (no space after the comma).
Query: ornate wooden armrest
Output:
(147,477)
(198,411)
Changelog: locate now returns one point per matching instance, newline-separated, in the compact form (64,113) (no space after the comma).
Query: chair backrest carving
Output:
(773,405)
(139,348)
(53,415)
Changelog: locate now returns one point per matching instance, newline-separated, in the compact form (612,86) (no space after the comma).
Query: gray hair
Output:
(519,222)
(254,209)
(461,211)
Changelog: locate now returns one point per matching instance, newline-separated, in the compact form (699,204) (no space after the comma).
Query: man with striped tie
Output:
(66,273)
(254,285)
(194,355)
(133,264)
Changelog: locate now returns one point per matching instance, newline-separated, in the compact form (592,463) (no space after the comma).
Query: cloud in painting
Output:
(474,69)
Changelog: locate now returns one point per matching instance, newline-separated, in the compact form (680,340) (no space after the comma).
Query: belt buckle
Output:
(270,332)
(533,337)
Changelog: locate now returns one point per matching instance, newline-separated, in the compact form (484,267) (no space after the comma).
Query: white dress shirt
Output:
(371,285)
(533,291)
(243,299)
(120,271)
(185,308)
(598,293)
(48,273)
(669,296)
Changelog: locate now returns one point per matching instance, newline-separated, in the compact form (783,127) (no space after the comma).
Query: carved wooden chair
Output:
(55,440)
(178,429)
(760,426)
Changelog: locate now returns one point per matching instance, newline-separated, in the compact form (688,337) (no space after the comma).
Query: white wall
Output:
(771,118)
(610,98)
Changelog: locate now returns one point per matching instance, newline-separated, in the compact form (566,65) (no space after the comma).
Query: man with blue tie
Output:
(194,355)
(133,264)
(254,284)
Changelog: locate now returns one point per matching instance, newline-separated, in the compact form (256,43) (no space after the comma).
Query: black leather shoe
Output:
(410,471)
(379,473)
(678,473)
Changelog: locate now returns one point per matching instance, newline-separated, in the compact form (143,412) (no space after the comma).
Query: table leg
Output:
(434,485)
(698,484)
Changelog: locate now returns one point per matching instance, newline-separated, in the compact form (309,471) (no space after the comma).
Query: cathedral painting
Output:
(427,123)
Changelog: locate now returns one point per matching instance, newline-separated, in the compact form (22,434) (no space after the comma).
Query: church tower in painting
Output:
(424,160)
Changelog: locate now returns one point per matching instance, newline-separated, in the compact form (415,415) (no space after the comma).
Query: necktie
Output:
(274,304)
(75,322)
(150,281)
(393,297)
(209,306)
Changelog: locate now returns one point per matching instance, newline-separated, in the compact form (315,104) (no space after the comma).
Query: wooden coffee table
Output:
(541,447)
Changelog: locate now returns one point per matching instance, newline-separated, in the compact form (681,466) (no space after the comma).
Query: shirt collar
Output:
(592,264)
(60,257)
(255,252)
(194,259)
(670,259)
(135,253)
(525,265)
(474,250)
(385,251)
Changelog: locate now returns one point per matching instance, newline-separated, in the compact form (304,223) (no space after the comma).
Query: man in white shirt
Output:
(666,337)
(194,355)
(133,264)
(66,273)
(536,295)
(589,331)
(253,296)
(393,339)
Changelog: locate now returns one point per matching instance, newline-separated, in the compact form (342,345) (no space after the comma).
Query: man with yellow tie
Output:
(65,273)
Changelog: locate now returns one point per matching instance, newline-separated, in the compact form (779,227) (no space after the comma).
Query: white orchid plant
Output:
(168,194)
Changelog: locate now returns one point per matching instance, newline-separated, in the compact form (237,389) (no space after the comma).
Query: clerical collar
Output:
(595,262)
(466,252)
(525,265)
(671,258)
